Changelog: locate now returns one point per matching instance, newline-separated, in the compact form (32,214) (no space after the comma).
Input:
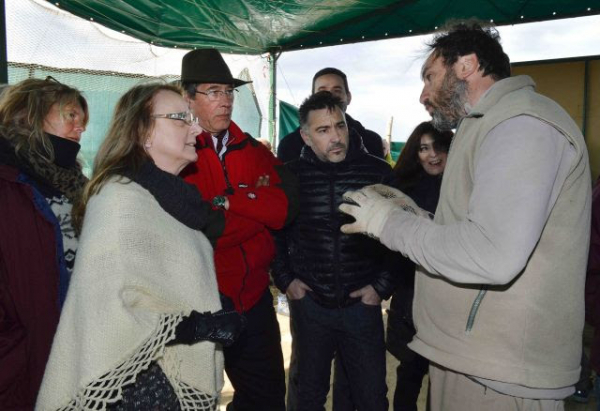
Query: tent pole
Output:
(3,58)
(273,57)
(586,85)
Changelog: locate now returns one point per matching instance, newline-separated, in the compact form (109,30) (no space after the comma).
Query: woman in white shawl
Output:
(142,324)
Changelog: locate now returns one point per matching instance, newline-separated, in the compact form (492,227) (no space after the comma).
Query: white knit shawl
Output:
(138,270)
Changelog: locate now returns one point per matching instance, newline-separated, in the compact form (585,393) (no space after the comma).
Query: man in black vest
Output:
(335,81)
(334,282)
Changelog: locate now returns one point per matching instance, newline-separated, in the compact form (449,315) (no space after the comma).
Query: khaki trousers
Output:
(452,391)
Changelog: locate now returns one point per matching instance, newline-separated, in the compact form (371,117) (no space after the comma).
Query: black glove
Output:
(223,327)
(226,302)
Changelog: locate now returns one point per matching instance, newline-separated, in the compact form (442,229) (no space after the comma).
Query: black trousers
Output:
(410,374)
(355,333)
(254,363)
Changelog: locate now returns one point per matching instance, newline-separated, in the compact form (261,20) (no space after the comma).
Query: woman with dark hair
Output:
(41,122)
(143,325)
(418,174)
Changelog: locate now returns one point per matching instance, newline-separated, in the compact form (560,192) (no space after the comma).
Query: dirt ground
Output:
(392,363)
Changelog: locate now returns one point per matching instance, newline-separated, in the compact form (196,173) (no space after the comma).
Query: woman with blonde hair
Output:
(143,325)
(41,122)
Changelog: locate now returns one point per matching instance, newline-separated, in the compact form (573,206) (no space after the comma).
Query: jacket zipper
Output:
(475,309)
(477,302)
(230,190)
(336,242)
(230,147)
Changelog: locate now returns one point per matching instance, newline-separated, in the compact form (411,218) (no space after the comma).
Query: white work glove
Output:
(372,205)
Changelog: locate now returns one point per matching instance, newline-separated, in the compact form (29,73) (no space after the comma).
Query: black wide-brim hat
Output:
(207,66)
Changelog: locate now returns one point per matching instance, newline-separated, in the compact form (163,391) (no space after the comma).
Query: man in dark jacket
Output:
(242,177)
(334,282)
(335,81)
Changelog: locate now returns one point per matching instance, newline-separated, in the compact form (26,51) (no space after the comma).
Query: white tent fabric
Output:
(39,33)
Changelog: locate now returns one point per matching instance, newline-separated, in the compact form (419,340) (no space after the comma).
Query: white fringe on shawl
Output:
(138,270)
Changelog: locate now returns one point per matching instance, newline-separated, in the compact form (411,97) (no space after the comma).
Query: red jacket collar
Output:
(236,135)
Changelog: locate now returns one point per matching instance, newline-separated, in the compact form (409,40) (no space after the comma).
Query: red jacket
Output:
(244,252)
(29,302)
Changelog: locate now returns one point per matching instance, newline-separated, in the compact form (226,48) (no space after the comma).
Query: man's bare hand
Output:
(263,181)
(367,295)
(297,290)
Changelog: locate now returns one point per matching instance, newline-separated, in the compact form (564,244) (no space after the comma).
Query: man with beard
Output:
(499,286)
(335,81)
(334,282)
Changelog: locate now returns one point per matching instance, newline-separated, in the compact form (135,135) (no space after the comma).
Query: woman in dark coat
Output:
(41,122)
(418,173)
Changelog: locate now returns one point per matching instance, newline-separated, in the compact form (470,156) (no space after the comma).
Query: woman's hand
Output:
(222,327)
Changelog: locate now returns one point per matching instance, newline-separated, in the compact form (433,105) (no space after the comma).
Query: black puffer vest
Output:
(333,264)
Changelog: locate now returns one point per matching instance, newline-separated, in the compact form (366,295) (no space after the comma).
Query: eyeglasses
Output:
(186,116)
(215,95)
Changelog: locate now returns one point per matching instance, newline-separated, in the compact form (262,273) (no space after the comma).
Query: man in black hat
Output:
(335,81)
(240,175)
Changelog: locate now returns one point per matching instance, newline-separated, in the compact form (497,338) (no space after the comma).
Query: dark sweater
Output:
(33,271)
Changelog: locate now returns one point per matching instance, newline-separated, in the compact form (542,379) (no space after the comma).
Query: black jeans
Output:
(254,363)
(409,378)
(341,396)
(410,374)
(355,333)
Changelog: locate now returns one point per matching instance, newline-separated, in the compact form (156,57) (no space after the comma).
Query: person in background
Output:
(592,289)
(418,173)
(335,81)
(41,123)
(142,327)
(243,178)
(499,303)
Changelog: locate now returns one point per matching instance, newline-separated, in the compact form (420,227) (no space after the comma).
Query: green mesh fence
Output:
(103,89)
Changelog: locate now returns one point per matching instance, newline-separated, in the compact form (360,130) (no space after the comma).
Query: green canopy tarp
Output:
(259,26)
(396,149)
(288,119)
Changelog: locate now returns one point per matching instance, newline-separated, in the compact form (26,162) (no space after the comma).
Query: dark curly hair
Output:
(467,37)
(317,101)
